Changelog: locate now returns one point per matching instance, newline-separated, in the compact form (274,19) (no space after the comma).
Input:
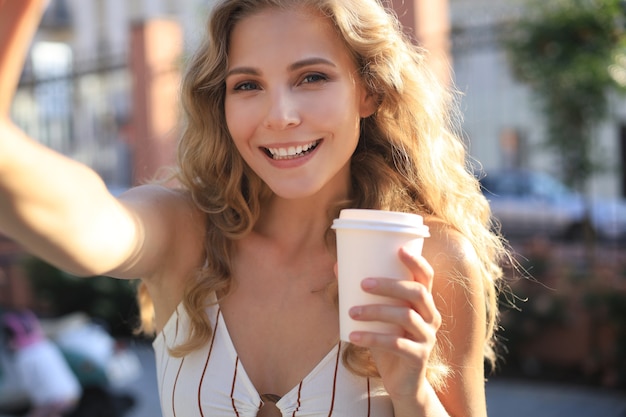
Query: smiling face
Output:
(294,102)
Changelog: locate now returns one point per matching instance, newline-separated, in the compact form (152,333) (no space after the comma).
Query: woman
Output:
(295,109)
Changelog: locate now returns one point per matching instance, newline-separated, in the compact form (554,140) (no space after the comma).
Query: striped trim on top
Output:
(213,382)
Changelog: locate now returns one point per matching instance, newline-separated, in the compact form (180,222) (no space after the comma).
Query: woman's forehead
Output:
(280,32)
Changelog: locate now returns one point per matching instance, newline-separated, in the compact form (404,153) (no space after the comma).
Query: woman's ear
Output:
(369,104)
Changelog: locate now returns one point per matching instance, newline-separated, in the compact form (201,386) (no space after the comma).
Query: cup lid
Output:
(381,219)
(384,216)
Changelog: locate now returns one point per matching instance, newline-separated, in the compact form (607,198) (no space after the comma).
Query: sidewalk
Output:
(513,398)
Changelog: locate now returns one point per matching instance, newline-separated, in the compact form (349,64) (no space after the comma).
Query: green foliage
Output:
(109,300)
(571,53)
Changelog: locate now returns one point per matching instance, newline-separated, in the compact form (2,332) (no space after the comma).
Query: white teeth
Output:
(291,152)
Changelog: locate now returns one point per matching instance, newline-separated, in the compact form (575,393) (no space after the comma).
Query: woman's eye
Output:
(313,78)
(246,86)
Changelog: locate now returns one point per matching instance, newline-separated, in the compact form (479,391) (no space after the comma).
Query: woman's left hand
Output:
(402,359)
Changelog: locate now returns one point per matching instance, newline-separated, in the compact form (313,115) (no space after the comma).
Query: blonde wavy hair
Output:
(409,157)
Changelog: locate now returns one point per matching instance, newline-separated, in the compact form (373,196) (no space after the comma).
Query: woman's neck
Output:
(303,222)
(293,220)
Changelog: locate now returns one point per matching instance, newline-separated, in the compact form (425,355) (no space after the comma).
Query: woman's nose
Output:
(282,110)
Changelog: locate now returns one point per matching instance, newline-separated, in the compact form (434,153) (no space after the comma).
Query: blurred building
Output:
(501,121)
(81,91)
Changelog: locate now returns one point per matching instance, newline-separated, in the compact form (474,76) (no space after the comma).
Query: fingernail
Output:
(355,337)
(369,283)
(355,311)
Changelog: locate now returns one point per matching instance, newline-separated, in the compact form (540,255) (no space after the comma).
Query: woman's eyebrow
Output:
(293,67)
(242,70)
(311,61)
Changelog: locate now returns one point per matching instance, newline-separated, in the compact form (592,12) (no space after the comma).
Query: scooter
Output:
(102,365)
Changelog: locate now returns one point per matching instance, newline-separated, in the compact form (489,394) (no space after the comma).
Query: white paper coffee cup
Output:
(368,242)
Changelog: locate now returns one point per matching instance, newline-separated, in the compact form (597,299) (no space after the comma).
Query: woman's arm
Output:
(59,209)
(458,292)
(50,204)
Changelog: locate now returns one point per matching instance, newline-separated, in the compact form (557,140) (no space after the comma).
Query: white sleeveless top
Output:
(211,382)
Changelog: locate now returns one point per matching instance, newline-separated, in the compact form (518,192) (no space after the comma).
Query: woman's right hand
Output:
(18,23)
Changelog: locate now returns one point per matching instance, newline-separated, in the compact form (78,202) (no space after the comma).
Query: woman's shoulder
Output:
(443,236)
(171,226)
(169,201)
(155,191)
(451,254)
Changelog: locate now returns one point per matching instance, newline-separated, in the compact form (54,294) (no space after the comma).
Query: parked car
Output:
(529,203)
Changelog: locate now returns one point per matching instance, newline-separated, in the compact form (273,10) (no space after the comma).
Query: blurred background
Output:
(543,114)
